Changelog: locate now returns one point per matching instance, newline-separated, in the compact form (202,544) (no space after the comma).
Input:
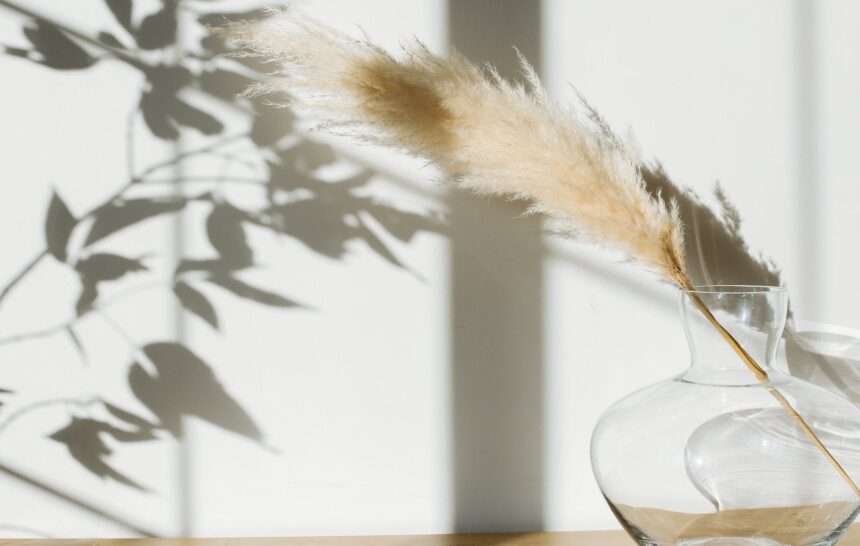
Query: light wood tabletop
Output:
(581,538)
(588,538)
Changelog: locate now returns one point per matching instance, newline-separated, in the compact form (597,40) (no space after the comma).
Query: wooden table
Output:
(590,538)
(582,538)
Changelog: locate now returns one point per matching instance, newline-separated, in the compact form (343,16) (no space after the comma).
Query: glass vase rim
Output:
(735,289)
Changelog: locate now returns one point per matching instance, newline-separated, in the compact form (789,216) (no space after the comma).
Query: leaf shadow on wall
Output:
(327,217)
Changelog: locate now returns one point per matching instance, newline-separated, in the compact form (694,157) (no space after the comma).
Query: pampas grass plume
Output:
(488,135)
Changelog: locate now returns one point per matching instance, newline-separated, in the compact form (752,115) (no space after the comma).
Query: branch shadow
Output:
(327,217)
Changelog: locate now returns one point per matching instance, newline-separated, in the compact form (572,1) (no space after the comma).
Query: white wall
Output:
(353,394)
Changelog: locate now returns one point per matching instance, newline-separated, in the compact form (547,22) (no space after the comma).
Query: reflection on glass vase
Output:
(714,457)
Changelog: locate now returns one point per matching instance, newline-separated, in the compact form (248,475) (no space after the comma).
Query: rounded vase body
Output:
(728,452)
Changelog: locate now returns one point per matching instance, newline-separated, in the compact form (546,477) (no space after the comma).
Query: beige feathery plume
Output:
(489,136)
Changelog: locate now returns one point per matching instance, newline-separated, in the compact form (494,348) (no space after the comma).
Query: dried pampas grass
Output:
(490,136)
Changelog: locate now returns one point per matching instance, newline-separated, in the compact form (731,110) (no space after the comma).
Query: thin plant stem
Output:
(762,377)
(118,53)
(14,416)
(46,332)
(205,180)
(132,345)
(57,328)
(21,274)
(20,529)
(78,503)
(129,141)
(185,155)
(235,158)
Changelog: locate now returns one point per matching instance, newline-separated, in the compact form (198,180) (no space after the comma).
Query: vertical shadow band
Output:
(807,162)
(496,313)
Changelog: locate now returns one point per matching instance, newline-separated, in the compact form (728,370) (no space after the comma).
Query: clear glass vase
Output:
(714,456)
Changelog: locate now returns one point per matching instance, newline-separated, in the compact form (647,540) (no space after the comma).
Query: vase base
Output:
(814,525)
(728,541)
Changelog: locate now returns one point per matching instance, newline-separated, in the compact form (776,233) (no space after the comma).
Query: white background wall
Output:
(353,395)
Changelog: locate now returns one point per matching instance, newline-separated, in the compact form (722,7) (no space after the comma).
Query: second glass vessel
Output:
(714,457)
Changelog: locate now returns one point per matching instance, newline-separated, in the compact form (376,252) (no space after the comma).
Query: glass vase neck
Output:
(753,315)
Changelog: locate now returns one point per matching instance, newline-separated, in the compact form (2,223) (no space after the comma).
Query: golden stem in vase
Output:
(762,376)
